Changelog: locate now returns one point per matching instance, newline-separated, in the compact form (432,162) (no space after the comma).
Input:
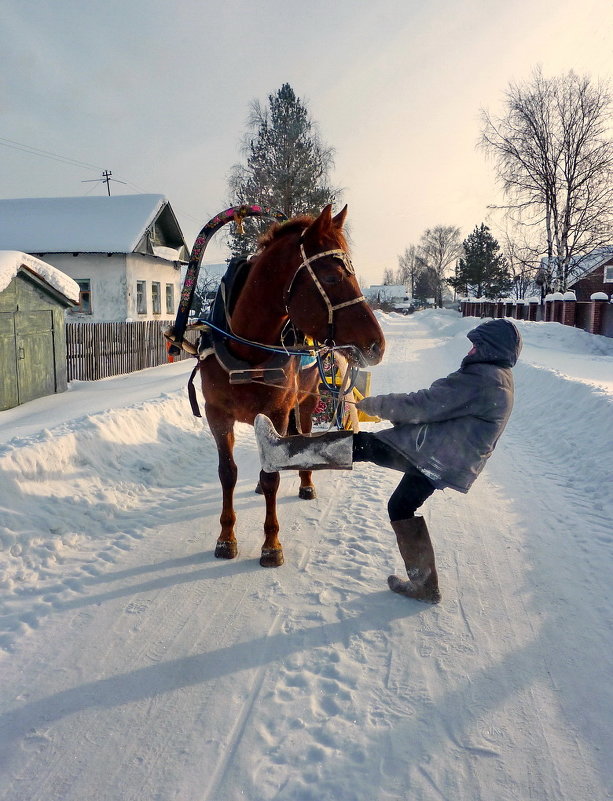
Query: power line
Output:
(34,151)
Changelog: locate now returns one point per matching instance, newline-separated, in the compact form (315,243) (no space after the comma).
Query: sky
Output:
(159,94)
(134,666)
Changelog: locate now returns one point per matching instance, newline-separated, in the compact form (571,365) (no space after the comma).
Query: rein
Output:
(307,350)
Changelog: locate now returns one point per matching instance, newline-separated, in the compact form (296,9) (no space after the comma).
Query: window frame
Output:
(170,298)
(141,297)
(156,297)
(83,292)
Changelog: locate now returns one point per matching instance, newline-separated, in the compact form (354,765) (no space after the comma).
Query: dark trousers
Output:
(414,487)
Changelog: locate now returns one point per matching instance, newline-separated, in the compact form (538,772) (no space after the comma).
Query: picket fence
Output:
(101,350)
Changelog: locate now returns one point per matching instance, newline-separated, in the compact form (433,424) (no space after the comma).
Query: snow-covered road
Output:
(137,667)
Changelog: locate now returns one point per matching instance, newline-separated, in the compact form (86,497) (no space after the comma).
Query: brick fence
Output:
(594,316)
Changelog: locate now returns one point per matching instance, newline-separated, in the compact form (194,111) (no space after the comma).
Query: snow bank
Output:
(64,489)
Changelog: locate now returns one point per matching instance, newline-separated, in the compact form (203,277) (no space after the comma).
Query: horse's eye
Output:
(331,278)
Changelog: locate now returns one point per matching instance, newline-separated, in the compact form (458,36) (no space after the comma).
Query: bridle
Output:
(306,262)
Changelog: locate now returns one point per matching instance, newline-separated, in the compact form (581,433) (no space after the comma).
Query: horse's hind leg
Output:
(272,552)
(307,489)
(226,547)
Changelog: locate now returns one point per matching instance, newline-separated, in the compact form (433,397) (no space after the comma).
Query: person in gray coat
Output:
(440,437)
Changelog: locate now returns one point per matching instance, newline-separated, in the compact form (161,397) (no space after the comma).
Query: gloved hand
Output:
(369,406)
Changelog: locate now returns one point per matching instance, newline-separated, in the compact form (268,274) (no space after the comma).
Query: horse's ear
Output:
(339,220)
(322,223)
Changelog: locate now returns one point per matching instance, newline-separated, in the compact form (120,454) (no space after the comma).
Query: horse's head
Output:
(323,297)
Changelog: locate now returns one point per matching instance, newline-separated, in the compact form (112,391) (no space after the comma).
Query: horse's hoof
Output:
(226,549)
(307,493)
(271,557)
(258,489)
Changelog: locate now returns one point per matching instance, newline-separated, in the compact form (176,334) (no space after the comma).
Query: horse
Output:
(300,276)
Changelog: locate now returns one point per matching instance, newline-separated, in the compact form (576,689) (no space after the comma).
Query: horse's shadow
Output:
(210,666)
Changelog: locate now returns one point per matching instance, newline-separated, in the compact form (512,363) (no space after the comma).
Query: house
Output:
(594,273)
(387,293)
(395,295)
(33,298)
(125,252)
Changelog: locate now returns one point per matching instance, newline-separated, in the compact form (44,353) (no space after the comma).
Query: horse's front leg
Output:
(223,432)
(306,490)
(272,552)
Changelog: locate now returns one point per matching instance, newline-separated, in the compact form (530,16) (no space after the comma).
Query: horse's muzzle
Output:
(364,357)
(373,354)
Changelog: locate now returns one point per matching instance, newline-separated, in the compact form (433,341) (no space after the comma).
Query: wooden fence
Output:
(100,350)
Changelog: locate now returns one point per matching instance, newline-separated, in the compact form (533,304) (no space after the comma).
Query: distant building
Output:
(594,274)
(33,298)
(387,293)
(125,252)
(394,295)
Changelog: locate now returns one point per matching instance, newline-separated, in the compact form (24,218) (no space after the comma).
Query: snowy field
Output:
(137,667)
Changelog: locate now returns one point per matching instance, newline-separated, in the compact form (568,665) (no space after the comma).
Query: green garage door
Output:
(8,362)
(35,356)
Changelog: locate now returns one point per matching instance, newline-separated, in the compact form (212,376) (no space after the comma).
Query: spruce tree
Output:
(287,166)
(426,285)
(483,271)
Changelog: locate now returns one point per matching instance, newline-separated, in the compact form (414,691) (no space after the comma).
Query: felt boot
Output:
(330,451)
(417,552)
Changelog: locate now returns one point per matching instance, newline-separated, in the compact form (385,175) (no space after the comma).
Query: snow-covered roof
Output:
(385,290)
(114,224)
(12,260)
(585,262)
(591,261)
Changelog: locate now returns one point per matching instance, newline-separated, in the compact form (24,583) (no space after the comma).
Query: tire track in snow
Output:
(235,734)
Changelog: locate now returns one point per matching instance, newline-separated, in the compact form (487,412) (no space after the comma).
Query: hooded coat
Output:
(450,430)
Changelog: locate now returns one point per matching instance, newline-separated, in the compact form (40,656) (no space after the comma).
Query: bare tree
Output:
(410,265)
(554,159)
(523,257)
(388,277)
(205,291)
(439,247)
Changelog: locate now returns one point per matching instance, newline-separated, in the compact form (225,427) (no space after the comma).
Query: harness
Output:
(217,331)
(343,256)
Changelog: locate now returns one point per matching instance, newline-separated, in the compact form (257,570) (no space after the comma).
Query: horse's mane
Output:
(295,225)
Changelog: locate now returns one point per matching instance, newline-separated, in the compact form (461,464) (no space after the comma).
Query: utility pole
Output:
(106,178)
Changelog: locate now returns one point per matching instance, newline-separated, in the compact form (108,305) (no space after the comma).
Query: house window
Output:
(85,296)
(156,297)
(608,274)
(170,299)
(141,297)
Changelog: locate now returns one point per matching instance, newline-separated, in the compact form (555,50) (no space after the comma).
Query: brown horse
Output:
(301,274)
